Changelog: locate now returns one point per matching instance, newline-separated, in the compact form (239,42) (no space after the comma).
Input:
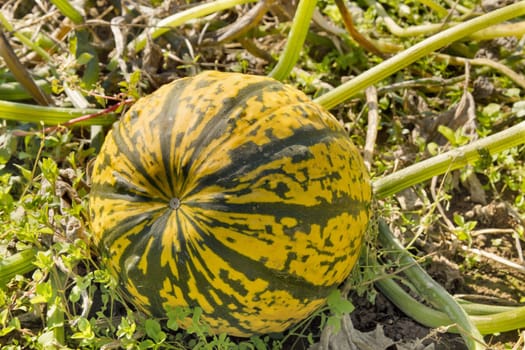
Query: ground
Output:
(464,227)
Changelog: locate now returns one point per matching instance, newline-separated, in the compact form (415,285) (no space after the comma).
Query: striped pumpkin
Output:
(230,192)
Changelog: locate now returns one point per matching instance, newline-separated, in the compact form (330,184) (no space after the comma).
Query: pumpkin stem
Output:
(175,203)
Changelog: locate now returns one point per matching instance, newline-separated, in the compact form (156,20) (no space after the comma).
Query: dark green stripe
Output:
(250,156)
(298,287)
(166,112)
(166,116)
(148,284)
(146,219)
(133,154)
(223,121)
(278,280)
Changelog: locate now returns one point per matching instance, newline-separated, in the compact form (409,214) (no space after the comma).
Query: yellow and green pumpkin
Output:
(234,193)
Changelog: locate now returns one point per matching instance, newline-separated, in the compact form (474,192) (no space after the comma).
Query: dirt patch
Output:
(398,327)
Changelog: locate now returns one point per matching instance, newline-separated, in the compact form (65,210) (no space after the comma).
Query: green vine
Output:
(168,23)
(430,290)
(414,53)
(451,160)
(296,38)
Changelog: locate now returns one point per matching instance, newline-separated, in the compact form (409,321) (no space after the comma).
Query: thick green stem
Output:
(501,322)
(180,18)
(451,160)
(412,54)
(296,38)
(483,309)
(432,291)
(56,305)
(424,315)
(14,91)
(50,115)
(488,319)
(16,264)
(486,324)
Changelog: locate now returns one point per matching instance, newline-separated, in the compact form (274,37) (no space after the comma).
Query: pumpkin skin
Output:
(234,193)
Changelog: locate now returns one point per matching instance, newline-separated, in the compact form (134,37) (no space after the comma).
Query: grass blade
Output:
(21,74)
(65,7)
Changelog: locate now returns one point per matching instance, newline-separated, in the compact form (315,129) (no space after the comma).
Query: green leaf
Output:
(337,304)
(512,92)
(44,293)
(47,340)
(519,109)
(173,321)
(7,147)
(44,260)
(146,344)
(74,295)
(459,219)
(84,58)
(448,133)
(258,343)
(26,173)
(335,323)
(49,169)
(154,331)
(126,328)
(492,109)
(68,10)
(13,325)
(85,330)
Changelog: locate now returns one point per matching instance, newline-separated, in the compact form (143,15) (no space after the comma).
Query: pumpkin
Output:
(233,193)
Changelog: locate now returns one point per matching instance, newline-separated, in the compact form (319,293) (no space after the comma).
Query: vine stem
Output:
(432,291)
(498,322)
(451,160)
(52,115)
(180,18)
(412,54)
(16,264)
(296,38)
